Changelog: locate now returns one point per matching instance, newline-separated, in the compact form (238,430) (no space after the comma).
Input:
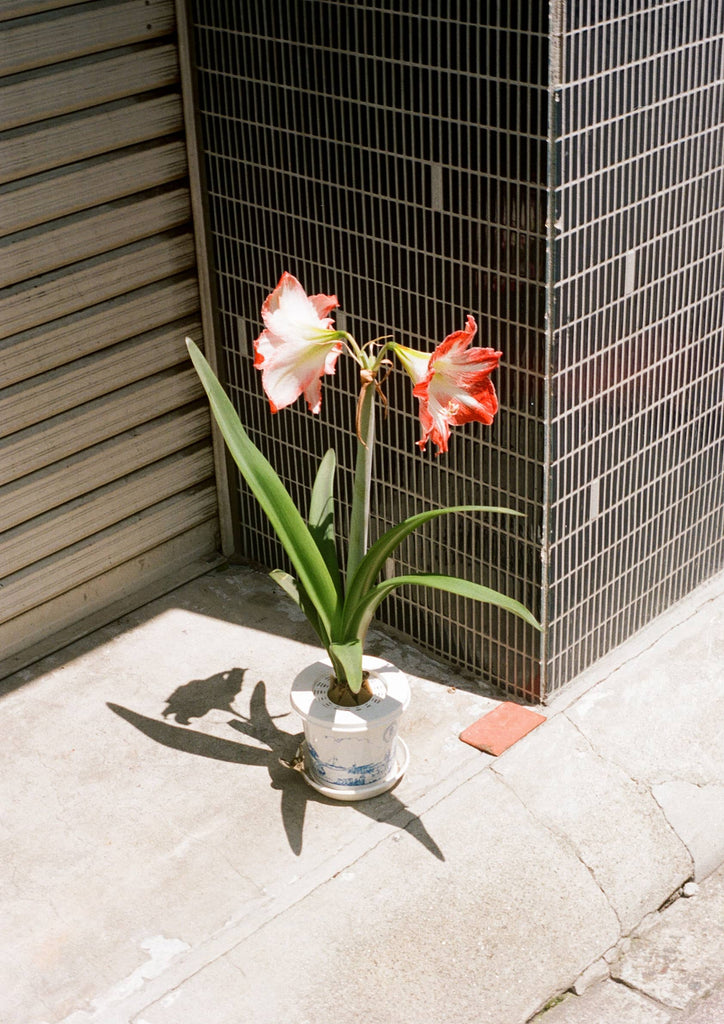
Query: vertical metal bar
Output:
(203,263)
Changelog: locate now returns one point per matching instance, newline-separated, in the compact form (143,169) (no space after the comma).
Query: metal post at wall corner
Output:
(555,72)
(208,303)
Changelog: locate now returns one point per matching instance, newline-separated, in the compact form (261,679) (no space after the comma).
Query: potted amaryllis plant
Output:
(352,696)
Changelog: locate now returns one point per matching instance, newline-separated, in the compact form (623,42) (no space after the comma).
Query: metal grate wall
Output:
(393,154)
(406,156)
(637,431)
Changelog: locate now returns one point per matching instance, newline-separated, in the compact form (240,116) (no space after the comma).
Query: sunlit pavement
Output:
(162,865)
(670,972)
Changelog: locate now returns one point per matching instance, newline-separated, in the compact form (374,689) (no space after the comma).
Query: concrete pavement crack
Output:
(648,787)
(566,841)
(597,752)
(640,992)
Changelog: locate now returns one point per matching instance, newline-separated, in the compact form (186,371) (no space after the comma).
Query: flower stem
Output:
(354,350)
(359,519)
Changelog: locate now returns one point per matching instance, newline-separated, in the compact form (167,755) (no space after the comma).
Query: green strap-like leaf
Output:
(374,561)
(360,618)
(321,516)
(290,587)
(346,658)
(273,497)
(347,661)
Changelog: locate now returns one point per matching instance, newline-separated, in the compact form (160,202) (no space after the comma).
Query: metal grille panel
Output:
(638,355)
(406,157)
(397,158)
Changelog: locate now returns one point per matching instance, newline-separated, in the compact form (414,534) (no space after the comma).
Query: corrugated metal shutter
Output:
(106,470)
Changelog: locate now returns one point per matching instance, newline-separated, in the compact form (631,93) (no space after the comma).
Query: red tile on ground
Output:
(501,728)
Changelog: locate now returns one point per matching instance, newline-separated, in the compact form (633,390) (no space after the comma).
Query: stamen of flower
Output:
(375,341)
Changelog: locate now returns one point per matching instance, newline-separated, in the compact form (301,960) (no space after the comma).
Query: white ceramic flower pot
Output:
(352,753)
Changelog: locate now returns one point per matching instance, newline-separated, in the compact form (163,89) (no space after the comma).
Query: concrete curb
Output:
(670,972)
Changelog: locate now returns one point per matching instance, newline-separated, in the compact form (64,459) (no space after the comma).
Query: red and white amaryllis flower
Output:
(452,384)
(299,345)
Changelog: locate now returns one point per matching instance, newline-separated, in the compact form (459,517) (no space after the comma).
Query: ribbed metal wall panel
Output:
(106,468)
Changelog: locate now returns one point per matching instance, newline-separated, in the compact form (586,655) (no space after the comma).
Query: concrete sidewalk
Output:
(162,866)
(670,972)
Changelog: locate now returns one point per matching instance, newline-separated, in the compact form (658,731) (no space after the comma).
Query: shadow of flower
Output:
(218,692)
(199,696)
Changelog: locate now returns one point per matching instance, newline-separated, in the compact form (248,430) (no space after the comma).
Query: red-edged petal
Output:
(289,307)
(324,304)
(298,346)
(456,388)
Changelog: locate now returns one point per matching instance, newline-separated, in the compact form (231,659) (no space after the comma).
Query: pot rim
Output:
(310,705)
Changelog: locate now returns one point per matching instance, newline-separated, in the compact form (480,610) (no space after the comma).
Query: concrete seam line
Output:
(639,992)
(673,829)
(277,902)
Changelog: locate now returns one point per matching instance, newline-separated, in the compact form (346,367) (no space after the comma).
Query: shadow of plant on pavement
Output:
(199,696)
